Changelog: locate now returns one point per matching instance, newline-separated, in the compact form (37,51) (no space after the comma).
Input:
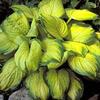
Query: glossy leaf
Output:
(55,64)
(24,9)
(56,27)
(51,7)
(6,45)
(10,76)
(53,51)
(34,56)
(75,91)
(80,15)
(82,33)
(16,24)
(75,47)
(37,86)
(58,83)
(86,66)
(33,32)
(21,55)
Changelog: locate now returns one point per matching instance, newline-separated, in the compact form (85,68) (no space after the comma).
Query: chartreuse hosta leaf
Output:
(53,51)
(33,32)
(98,35)
(95,48)
(75,47)
(87,66)
(82,33)
(6,45)
(37,86)
(56,27)
(58,82)
(16,24)
(22,54)
(56,64)
(52,7)
(29,12)
(80,14)
(34,56)
(24,9)
(10,76)
(75,91)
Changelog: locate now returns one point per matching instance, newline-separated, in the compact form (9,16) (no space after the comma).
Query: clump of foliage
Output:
(42,38)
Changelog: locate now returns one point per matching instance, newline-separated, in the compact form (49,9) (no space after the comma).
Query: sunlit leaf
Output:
(75,47)
(53,51)
(37,86)
(10,76)
(6,45)
(80,15)
(24,9)
(75,91)
(58,83)
(82,33)
(87,66)
(21,55)
(15,25)
(55,26)
(51,7)
(34,56)
(33,32)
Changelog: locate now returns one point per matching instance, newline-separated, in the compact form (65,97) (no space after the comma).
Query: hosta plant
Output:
(42,38)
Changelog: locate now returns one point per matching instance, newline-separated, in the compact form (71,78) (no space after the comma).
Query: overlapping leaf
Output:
(75,47)
(21,55)
(58,83)
(10,76)
(82,33)
(37,86)
(34,56)
(51,7)
(6,45)
(86,66)
(53,51)
(16,24)
(75,91)
(80,15)
(56,27)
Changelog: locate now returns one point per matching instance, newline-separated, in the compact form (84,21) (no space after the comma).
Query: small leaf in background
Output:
(51,7)
(16,24)
(80,15)
(37,86)
(21,55)
(58,83)
(24,9)
(10,76)
(97,21)
(31,3)
(34,56)
(75,47)
(75,91)
(53,51)
(81,32)
(88,4)
(33,32)
(55,26)
(74,3)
